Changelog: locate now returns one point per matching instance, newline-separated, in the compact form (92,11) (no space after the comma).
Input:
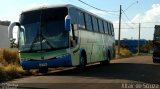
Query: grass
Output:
(9,65)
(124,52)
(9,56)
(10,72)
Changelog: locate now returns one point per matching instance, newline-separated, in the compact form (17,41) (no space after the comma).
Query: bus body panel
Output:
(45,55)
(63,61)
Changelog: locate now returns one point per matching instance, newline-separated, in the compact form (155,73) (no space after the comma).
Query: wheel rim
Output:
(82,61)
(108,59)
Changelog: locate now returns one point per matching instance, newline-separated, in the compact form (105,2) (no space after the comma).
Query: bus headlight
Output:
(24,59)
(62,56)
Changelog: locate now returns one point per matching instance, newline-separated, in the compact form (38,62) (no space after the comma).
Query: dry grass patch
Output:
(9,56)
(124,52)
(11,71)
(9,65)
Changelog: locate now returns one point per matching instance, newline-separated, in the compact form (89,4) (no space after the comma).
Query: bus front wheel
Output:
(83,62)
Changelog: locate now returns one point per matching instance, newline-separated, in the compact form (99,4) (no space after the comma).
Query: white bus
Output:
(62,35)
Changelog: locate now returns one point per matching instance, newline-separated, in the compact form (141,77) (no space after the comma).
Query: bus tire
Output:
(83,61)
(43,70)
(107,61)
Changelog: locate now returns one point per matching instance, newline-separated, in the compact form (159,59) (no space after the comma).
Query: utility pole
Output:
(139,36)
(119,35)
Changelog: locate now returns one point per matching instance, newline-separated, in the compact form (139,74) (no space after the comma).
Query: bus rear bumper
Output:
(64,61)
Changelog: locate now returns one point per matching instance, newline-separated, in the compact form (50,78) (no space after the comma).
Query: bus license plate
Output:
(43,64)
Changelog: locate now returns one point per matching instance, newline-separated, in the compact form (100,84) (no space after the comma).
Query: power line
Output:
(131,5)
(127,9)
(134,28)
(127,17)
(137,23)
(98,8)
(150,22)
(129,25)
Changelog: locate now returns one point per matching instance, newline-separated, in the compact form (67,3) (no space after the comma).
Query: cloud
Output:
(146,19)
(152,15)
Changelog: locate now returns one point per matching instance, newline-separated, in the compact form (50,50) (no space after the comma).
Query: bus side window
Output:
(112,30)
(88,22)
(100,26)
(95,24)
(103,23)
(81,20)
(108,25)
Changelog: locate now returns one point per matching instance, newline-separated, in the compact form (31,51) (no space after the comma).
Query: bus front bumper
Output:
(64,61)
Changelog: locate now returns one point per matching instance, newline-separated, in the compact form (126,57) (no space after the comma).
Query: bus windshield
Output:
(43,30)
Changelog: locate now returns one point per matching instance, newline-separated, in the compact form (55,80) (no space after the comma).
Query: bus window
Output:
(88,22)
(95,24)
(112,30)
(105,28)
(100,26)
(108,27)
(81,20)
(74,14)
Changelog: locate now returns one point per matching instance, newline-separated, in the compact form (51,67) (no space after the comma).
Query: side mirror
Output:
(10,29)
(10,34)
(67,23)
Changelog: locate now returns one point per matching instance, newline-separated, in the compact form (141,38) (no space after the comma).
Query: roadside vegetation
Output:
(124,53)
(9,65)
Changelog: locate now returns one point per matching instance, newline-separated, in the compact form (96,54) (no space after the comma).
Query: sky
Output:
(146,12)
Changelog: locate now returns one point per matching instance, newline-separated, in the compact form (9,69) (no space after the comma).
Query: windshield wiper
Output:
(43,37)
(34,41)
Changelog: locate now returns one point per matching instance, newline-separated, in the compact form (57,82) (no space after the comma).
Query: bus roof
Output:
(63,5)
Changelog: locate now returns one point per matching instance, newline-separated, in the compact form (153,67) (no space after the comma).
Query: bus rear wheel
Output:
(43,70)
(107,61)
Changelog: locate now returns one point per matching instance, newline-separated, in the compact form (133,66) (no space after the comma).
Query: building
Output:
(4,40)
(132,45)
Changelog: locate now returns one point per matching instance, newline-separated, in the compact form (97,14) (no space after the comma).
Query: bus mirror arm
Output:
(10,33)
(10,29)
(67,23)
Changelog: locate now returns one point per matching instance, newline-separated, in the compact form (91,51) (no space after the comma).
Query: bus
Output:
(156,45)
(62,36)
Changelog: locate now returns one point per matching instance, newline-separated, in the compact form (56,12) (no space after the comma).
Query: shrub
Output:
(9,56)
(10,67)
(124,52)
(2,74)
(11,71)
